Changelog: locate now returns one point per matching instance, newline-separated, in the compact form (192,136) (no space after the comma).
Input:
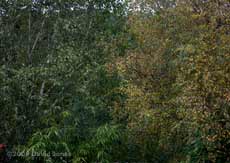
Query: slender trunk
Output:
(29,37)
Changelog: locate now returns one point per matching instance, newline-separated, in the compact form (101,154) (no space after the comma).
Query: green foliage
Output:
(100,147)
(115,81)
(48,146)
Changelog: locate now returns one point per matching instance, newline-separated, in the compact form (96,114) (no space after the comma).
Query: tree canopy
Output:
(114,81)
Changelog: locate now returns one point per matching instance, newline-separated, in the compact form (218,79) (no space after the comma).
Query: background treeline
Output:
(116,81)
